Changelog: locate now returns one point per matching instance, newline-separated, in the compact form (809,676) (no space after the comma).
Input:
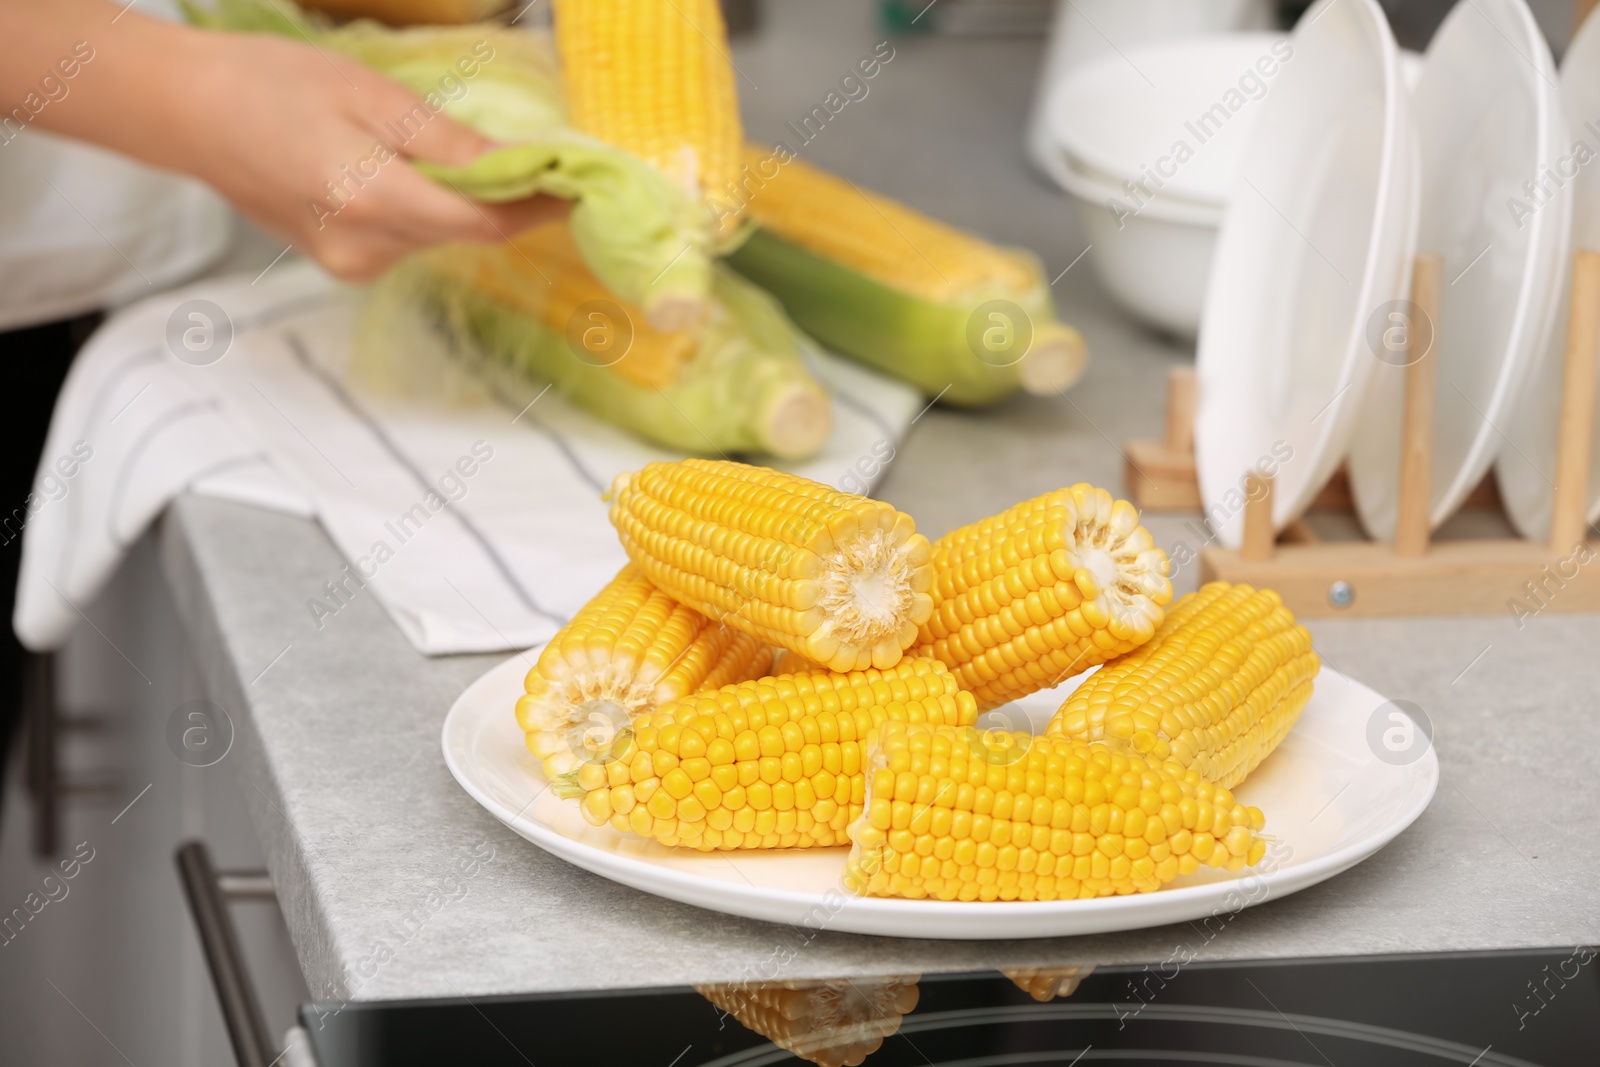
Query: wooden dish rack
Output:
(1413,575)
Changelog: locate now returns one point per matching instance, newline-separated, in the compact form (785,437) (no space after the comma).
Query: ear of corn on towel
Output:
(738,380)
(497,558)
(642,234)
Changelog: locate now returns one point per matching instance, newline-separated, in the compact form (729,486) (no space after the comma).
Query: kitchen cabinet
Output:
(106,968)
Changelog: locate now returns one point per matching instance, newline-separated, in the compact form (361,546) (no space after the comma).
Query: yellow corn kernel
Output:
(629,649)
(779,712)
(1042,591)
(654,77)
(836,578)
(1035,771)
(1217,688)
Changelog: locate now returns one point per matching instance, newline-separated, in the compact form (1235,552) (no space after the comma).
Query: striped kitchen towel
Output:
(478,526)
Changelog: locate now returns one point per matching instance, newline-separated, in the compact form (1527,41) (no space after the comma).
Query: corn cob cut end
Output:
(629,649)
(837,578)
(1127,572)
(949,814)
(570,715)
(799,421)
(1056,360)
(1044,590)
(870,600)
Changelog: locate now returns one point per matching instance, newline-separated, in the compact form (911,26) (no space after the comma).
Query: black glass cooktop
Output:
(1500,1009)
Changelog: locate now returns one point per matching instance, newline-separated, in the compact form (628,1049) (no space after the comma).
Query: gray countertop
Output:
(363,828)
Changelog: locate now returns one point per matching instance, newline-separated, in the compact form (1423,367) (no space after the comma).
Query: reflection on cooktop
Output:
(1501,1009)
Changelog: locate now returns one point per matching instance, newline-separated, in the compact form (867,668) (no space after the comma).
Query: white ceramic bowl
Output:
(1183,137)
(1084,31)
(1154,263)
(1107,125)
(1320,232)
(1176,114)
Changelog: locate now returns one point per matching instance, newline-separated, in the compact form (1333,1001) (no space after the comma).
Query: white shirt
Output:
(83,228)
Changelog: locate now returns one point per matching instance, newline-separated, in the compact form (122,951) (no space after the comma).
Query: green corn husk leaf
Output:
(644,238)
(970,353)
(747,390)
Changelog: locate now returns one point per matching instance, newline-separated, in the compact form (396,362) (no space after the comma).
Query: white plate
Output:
(1526,469)
(1121,116)
(1487,113)
(1319,233)
(1327,798)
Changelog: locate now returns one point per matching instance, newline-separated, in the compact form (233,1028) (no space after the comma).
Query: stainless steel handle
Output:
(208,894)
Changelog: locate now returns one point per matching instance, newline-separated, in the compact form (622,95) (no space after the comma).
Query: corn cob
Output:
(530,308)
(628,650)
(770,763)
(1045,984)
(832,1023)
(1216,690)
(654,77)
(1042,591)
(886,285)
(955,814)
(837,578)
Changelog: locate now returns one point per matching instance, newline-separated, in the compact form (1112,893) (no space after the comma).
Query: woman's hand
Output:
(310,145)
(315,147)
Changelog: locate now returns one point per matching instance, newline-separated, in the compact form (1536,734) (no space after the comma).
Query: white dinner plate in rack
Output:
(1488,115)
(1319,233)
(1526,469)
(1330,803)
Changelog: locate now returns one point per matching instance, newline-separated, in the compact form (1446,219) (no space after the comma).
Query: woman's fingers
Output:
(404,201)
(519,215)
(433,136)
(404,212)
